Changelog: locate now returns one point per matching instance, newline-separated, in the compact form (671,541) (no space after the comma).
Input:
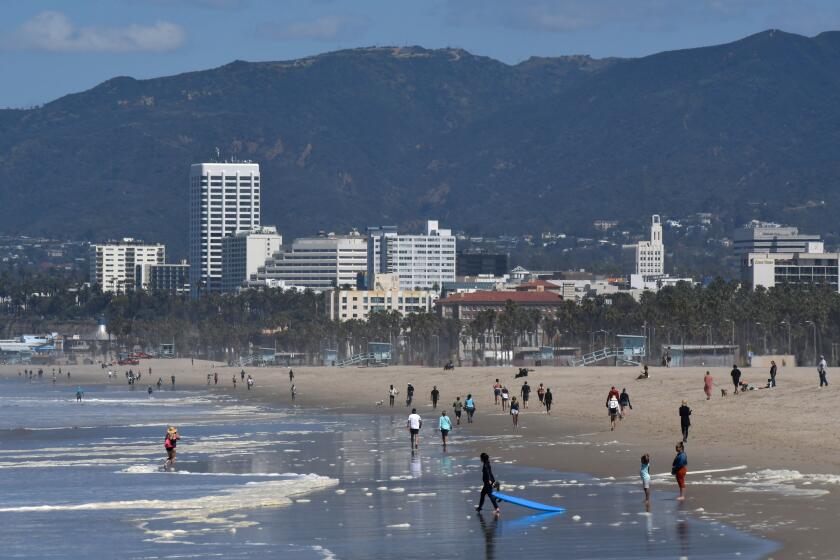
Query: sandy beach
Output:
(765,461)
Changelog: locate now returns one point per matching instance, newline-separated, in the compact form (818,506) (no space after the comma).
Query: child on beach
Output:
(644,473)
(514,411)
(170,443)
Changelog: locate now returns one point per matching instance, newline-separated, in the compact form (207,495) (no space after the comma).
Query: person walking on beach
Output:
(170,443)
(293,389)
(414,423)
(685,420)
(541,394)
(250,382)
(526,393)
(488,481)
(392,394)
(215,378)
(822,369)
(497,391)
(613,409)
(547,400)
(409,394)
(624,403)
(209,378)
(469,406)
(505,398)
(242,375)
(514,411)
(679,469)
(79,394)
(644,474)
(435,396)
(736,377)
(708,383)
(457,407)
(445,425)
(291,375)
(159,383)
(172,378)
(234,381)
(773,371)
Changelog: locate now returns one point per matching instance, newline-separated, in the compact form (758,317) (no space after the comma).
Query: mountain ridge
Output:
(399,134)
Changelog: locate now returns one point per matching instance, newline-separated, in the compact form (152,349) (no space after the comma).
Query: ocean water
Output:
(84,480)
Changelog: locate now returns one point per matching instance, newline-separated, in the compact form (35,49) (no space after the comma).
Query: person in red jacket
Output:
(170,443)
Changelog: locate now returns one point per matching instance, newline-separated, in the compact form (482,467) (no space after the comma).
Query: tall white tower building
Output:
(650,255)
(421,261)
(224,200)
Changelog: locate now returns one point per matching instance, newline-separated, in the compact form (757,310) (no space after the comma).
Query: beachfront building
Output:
(465,306)
(386,295)
(318,263)
(650,255)
(224,199)
(796,269)
(163,278)
(113,264)
(422,261)
(244,252)
(767,237)
(478,263)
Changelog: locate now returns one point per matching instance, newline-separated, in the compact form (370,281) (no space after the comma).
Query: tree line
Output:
(785,319)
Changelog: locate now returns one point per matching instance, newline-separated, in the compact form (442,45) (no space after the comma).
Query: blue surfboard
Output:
(527,503)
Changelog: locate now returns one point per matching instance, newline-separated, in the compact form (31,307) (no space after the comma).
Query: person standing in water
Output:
(79,394)
(172,379)
(435,396)
(685,420)
(457,407)
(149,390)
(708,383)
(414,423)
(679,469)
(294,391)
(169,443)
(445,425)
(488,480)
(644,474)
(547,400)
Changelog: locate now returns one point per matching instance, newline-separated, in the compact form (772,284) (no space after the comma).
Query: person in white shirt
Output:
(414,424)
(392,393)
(822,369)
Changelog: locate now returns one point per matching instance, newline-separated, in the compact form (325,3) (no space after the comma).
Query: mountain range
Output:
(398,135)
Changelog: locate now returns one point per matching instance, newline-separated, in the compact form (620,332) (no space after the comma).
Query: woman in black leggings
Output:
(487,489)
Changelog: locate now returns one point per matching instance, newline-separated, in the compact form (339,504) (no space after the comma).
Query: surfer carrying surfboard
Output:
(488,481)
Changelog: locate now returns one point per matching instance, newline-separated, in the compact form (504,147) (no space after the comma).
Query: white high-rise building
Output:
(243,253)
(650,255)
(319,263)
(224,200)
(420,261)
(113,265)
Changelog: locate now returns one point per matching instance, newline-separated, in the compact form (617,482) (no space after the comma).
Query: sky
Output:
(49,48)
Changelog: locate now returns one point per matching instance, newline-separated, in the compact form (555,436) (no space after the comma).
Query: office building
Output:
(470,263)
(244,252)
(344,305)
(163,278)
(424,261)
(319,263)
(650,255)
(794,269)
(113,264)
(764,237)
(224,200)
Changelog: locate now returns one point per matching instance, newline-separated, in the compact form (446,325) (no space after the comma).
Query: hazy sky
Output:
(52,47)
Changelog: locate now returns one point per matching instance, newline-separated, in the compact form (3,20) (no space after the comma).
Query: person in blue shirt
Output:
(469,405)
(445,425)
(644,474)
(679,469)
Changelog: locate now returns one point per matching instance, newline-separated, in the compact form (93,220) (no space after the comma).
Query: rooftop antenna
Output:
(218,153)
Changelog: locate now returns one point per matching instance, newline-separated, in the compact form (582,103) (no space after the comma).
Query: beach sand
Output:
(781,444)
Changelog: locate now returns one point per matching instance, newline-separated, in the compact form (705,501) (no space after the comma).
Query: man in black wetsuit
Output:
(487,489)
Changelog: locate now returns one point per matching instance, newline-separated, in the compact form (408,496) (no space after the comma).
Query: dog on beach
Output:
(380,403)
(723,392)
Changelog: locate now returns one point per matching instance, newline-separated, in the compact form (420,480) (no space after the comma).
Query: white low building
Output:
(423,261)
(344,305)
(318,263)
(794,269)
(244,252)
(113,265)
